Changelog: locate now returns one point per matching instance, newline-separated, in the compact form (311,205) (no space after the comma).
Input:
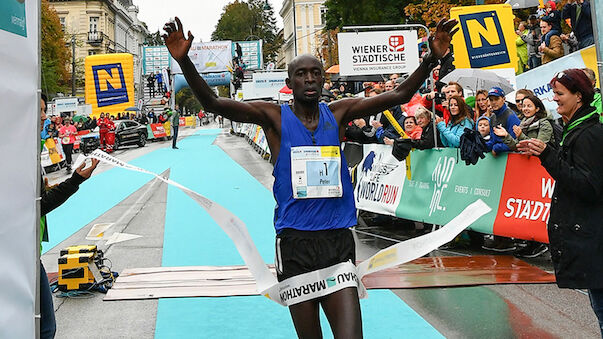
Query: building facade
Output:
(302,23)
(101,27)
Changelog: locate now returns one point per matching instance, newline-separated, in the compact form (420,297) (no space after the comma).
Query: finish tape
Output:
(322,282)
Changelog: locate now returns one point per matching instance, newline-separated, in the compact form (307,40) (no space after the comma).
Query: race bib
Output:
(65,140)
(316,172)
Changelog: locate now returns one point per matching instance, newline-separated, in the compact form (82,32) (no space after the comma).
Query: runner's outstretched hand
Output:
(175,41)
(440,40)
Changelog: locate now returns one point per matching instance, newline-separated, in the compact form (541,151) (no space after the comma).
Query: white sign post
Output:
(366,53)
(19,173)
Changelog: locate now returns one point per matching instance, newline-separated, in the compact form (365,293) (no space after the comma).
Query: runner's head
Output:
(306,78)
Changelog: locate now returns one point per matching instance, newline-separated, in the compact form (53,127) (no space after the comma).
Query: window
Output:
(92,52)
(93,23)
(323,12)
(62,20)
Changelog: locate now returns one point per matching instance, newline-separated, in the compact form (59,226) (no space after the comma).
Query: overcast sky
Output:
(198,16)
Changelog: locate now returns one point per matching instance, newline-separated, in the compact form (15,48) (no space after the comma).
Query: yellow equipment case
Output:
(74,271)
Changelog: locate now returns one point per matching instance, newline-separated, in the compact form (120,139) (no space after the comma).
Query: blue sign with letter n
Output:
(110,85)
(484,38)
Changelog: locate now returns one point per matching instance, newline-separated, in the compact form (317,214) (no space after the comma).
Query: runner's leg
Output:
(342,309)
(306,319)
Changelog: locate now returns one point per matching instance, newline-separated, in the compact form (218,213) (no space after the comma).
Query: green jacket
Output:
(540,129)
(522,51)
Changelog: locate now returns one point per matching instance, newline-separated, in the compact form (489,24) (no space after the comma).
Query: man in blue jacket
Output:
(503,117)
(578,11)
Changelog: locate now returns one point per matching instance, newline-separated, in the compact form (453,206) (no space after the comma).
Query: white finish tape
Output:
(322,282)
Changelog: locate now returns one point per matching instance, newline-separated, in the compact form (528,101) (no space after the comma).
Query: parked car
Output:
(129,132)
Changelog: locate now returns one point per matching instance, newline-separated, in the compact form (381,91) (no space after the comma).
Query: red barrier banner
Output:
(158,130)
(525,199)
(182,121)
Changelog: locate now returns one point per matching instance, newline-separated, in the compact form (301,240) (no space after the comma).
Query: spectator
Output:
(394,76)
(597,104)
(447,63)
(451,132)
(103,125)
(533,125)
(151,84)
(389,85)
(67,134)
(522,47)
(481,104)
(551,46)
(159,79)
(355,131)
(519,96)
(503,117)
(426,141)
(570,41)
(578,11)
(533,40)
(553,17)
(576,210)
(411,128)
(483,127)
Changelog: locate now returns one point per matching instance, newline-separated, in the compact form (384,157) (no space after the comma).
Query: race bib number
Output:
(316,172)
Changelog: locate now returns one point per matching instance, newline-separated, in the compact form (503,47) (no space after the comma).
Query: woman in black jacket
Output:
(575,223)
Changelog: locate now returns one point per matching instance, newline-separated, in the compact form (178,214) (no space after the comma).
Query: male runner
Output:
(312,226)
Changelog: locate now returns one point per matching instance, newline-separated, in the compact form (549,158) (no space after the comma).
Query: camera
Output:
(439,97)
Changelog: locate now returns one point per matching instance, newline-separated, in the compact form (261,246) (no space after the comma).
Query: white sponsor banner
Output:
(538,79)
(365,53)
(265,85)
(212,56)
(20,144)
(65,105)
(380,179)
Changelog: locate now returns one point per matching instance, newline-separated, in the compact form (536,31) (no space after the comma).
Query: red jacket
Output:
(438,107)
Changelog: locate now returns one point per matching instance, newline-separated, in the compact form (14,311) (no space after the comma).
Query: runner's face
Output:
(306,79)
(528,109)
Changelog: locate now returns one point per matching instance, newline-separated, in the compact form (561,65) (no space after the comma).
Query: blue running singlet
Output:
(317,213)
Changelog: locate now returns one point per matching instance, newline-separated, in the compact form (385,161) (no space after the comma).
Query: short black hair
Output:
(44,97)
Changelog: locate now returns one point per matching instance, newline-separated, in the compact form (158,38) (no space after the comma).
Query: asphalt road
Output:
(502,311)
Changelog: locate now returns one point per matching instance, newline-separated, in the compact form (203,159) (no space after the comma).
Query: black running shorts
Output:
(299,252)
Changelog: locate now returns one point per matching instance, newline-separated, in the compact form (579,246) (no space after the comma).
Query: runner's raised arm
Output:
(178,45)
(347,110)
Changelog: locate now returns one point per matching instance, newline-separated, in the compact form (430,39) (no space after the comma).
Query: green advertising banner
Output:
(442,186)
(12,17)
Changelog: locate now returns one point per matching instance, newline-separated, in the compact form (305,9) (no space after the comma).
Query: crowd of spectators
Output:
(550,34)
(500,123)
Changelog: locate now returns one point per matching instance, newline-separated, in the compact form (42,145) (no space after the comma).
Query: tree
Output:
(186,99)
(242,20)
(55,54)
(155,39)
(369,12)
